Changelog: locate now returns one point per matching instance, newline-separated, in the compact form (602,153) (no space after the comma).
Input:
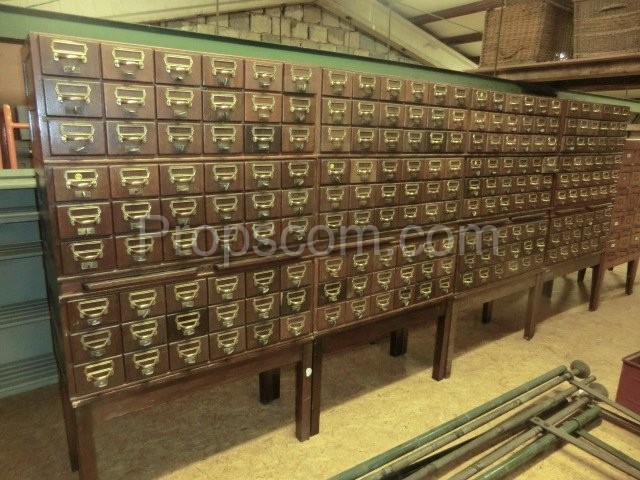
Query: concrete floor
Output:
(371,402)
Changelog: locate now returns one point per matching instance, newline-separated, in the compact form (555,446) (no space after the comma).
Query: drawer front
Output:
(262,282)
(88,256)
(330,316)
(177,67)
(294,326)
(390,141)
(76,137)
(301,79)
(358,309)
(185,243)
(262,107)
(415,116)
(72,98)
(335,171)
(84,220)
(131,138)
(385,258)
(183,211)
(298,202)
(146,333)
(332,268)
(129,101)
(336,111)
(333,291)
(146,364)
(296,230)
(365,113)
(416,91)
(262,139)
(222,106)
(179,138)
(358,196)
(264,234)
(295,301)
(414,141)
(262,308)
(389,170)
(226,288)
(142,303)
(386,218)
(224,177)
(366,86)
(298,173)
(337,83)
(296,275)
(297,109)
(262,175)
(185,325)
(130,63)
(381,303)
(134,181)
(227,343)
(227,315)
(137,216)
(223,139)
(263,334)
(137,250)
(358,287)
(263,75)
(405,296)
(224,208)
(69,57)
(93,312)
(363,170)
(97,376)
(186,295)
(188,353)
(335,139)
(222,71)
(181,179)
(383,281)
(298,139)
(262,205)
(392,89)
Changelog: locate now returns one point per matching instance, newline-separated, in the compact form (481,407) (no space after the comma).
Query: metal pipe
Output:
(539,446)
(603,397)
(621,421)
(609,448)
(383,458)
(502,428)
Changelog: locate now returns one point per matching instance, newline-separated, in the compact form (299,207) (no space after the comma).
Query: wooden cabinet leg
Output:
(632,270)
(398,342)
(597,278)
(316,386)
(487,312)
(87,462)
(304,389)
(445,338)
(70,427)
(532,308)
(269,386)
(581,274)
(547,288)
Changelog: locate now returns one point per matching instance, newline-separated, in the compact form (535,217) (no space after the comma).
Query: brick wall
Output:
(306,26)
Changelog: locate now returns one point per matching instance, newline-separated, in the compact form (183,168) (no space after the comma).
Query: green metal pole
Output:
(609,448)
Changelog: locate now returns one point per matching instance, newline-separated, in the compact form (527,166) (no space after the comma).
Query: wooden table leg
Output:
(487,312)
(70,427)
(581,273)
(597,278)
(445,337)
(304,386)
(316,386)
(532,308)
(632,270)
(398,342)
(87,462)
(269,386)
(547,288)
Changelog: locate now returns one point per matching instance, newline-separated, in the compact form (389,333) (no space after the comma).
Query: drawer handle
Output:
(359,285)
(363,194)
(386,259)
(393,88)
(81,181)
(263,232)
(367,84)
(182,176)
(301,77)
(180,136)
(263,173)
(224,175)
(131,98)
(447,266)
(467,279)
(223,71)
(84,216)
(437,117)
(366,111)
(183,242)
(336,171)
(263,203)
(332,315)
(143,332)
(300,108)
(188,352)
(228,341)
(458,117)
(93,310)
(223,104)
(365,138)
(139,247)
(299,137)
(135,213)
(263,104)
(481,98)
(413,168)
(364,170)
(98,373)
(409,252)
(391,139)
(263,137)
(263,333)
(335,197)
(404,295)
(384,280)
(298,200)
(334,222)
(263,281)
(333,266)
(186,293)
(135,179)
(226,287)
(417,91)
(187,323)
(362,219)
(455,138)
(337,110)
(182,210)
(416,114)
(264,74)
(392,114)
(427,269)
(124,57)
(332,291)
(337,81)
(73,92)
(69,50)
(433,188)
(407,274)
(383,302)
(96,343)
(223,137)
(77,132)
(146,361)
(298,228)
(225,206)
(142,301)
(358,309)
(361,261)
(296,273)
(263,307)
(296,325)
(298,172)
(337,137)
(87,252)
(227,314)
(296,299)
(414,139)
(178,66)
(388,193)
(424,291)
(389,169)
(132,133)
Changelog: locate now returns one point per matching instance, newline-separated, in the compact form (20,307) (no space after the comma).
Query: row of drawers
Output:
(562,222)
(625,221)
(499,271)
(474,239)
(487,186)
(502,253)
(573,196)
(584,144)
(574,250)
(580,163)
(588,178)
(473,208)
(619,244)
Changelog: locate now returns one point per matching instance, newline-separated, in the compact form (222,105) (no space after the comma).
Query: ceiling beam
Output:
(453,12)
(377,20)
(460,39)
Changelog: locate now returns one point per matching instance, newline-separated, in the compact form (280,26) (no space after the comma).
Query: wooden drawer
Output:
(381,303)
(262,282)
(382,281)
(224,177)
(262,139)
(390,141)
(222,106)
(415,116)
(436,142)
(265,307)
(332,267)
(295,301)
(178,67)
(298,173)
(142,303)
(296,230)
(264,234)
(405,296)
(414,141)
(188,353)
(297,109)
(93,312)
(330,316)
(358,196)
(226,288)
(262,175)
(178,103)
(335,139)
(392,89)
(185,244)
(416,91)
(88,256)
(263,334)
(358,287)
(227,315)
(129,101)
(365,113)
(227,239)
(181,179)
(413,169)
(72,98)
(186,295)
(69,57)
(294,326)
(183,211)
(263,205)
(179,138)
(457,120)
(361,218)
(337,83)
(480,99)
(298,202)
(363,170)
(301,79)
(335,171)
(85,220)
(358,309)
(146,364)
(227,343)
(98,376)
(298,139)
(224,208)
(333,291)
(136,216)
(296,275)
(131,138)
(137,250)
(262,107)
(222,71)
(76,137)
(134,181)
(366,86)
(130,63)
(223,139)
(336,111)
(149,332)
(263,75)
(185,325)
(386,218)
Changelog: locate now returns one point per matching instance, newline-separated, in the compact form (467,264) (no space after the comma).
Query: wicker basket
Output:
(606,27)
(524,32)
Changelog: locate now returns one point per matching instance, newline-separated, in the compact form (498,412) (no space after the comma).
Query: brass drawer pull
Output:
(73,92)
(139,247)
(263,174)
(263,137)
(228,341)
(296,325)
(146,361)
(263,281)
(223,105)
(362,219)
(333,266)
(131,133)
(223,70)
(178,66)
(81,180)
(142,301)
(483,274)
(425,291)
(183,209)
(367,84)
(298,199)
(416,114)
(135,179)
(77,132)
(365,138)
(383,302)
(437,117)
(414,139)
(186,293)
(187,323)
(124,57)
(417,91)
(98,373)
(188,352)
(225,206)
(385,257)
(361,261)
(296,299)
(298,172)
(363,194)
(334,222)
(83,216)
(263,104)
(458,117)
(135,213)
(383,279)
(263,333)
(336,170)
(300,108)
(87,252)
(183,242)
(393,88)
(358,309)
(338,81)
(226,287)
(447,266)
(264,74)
(389,168)
(444,284)
(427,269)
(96,343)
(364,170)
(407,274)
(392,139)
(227,314)
(296,273)
(388,193)
(411,191)
(301,76)
(359,285)
(332,291)
(467,279)
(263,233)
(481,98)
(181,176)
(180,136)
(69,50)
(224,175)
(366,111)
(337,109)
(409,252)
(263,307)
(263,203)
(299,137)
(386,217)
(455,138)
(131,98)
(144,332)
(337,137)
(93,310)
(332,315)
(298,228)
(223,137)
